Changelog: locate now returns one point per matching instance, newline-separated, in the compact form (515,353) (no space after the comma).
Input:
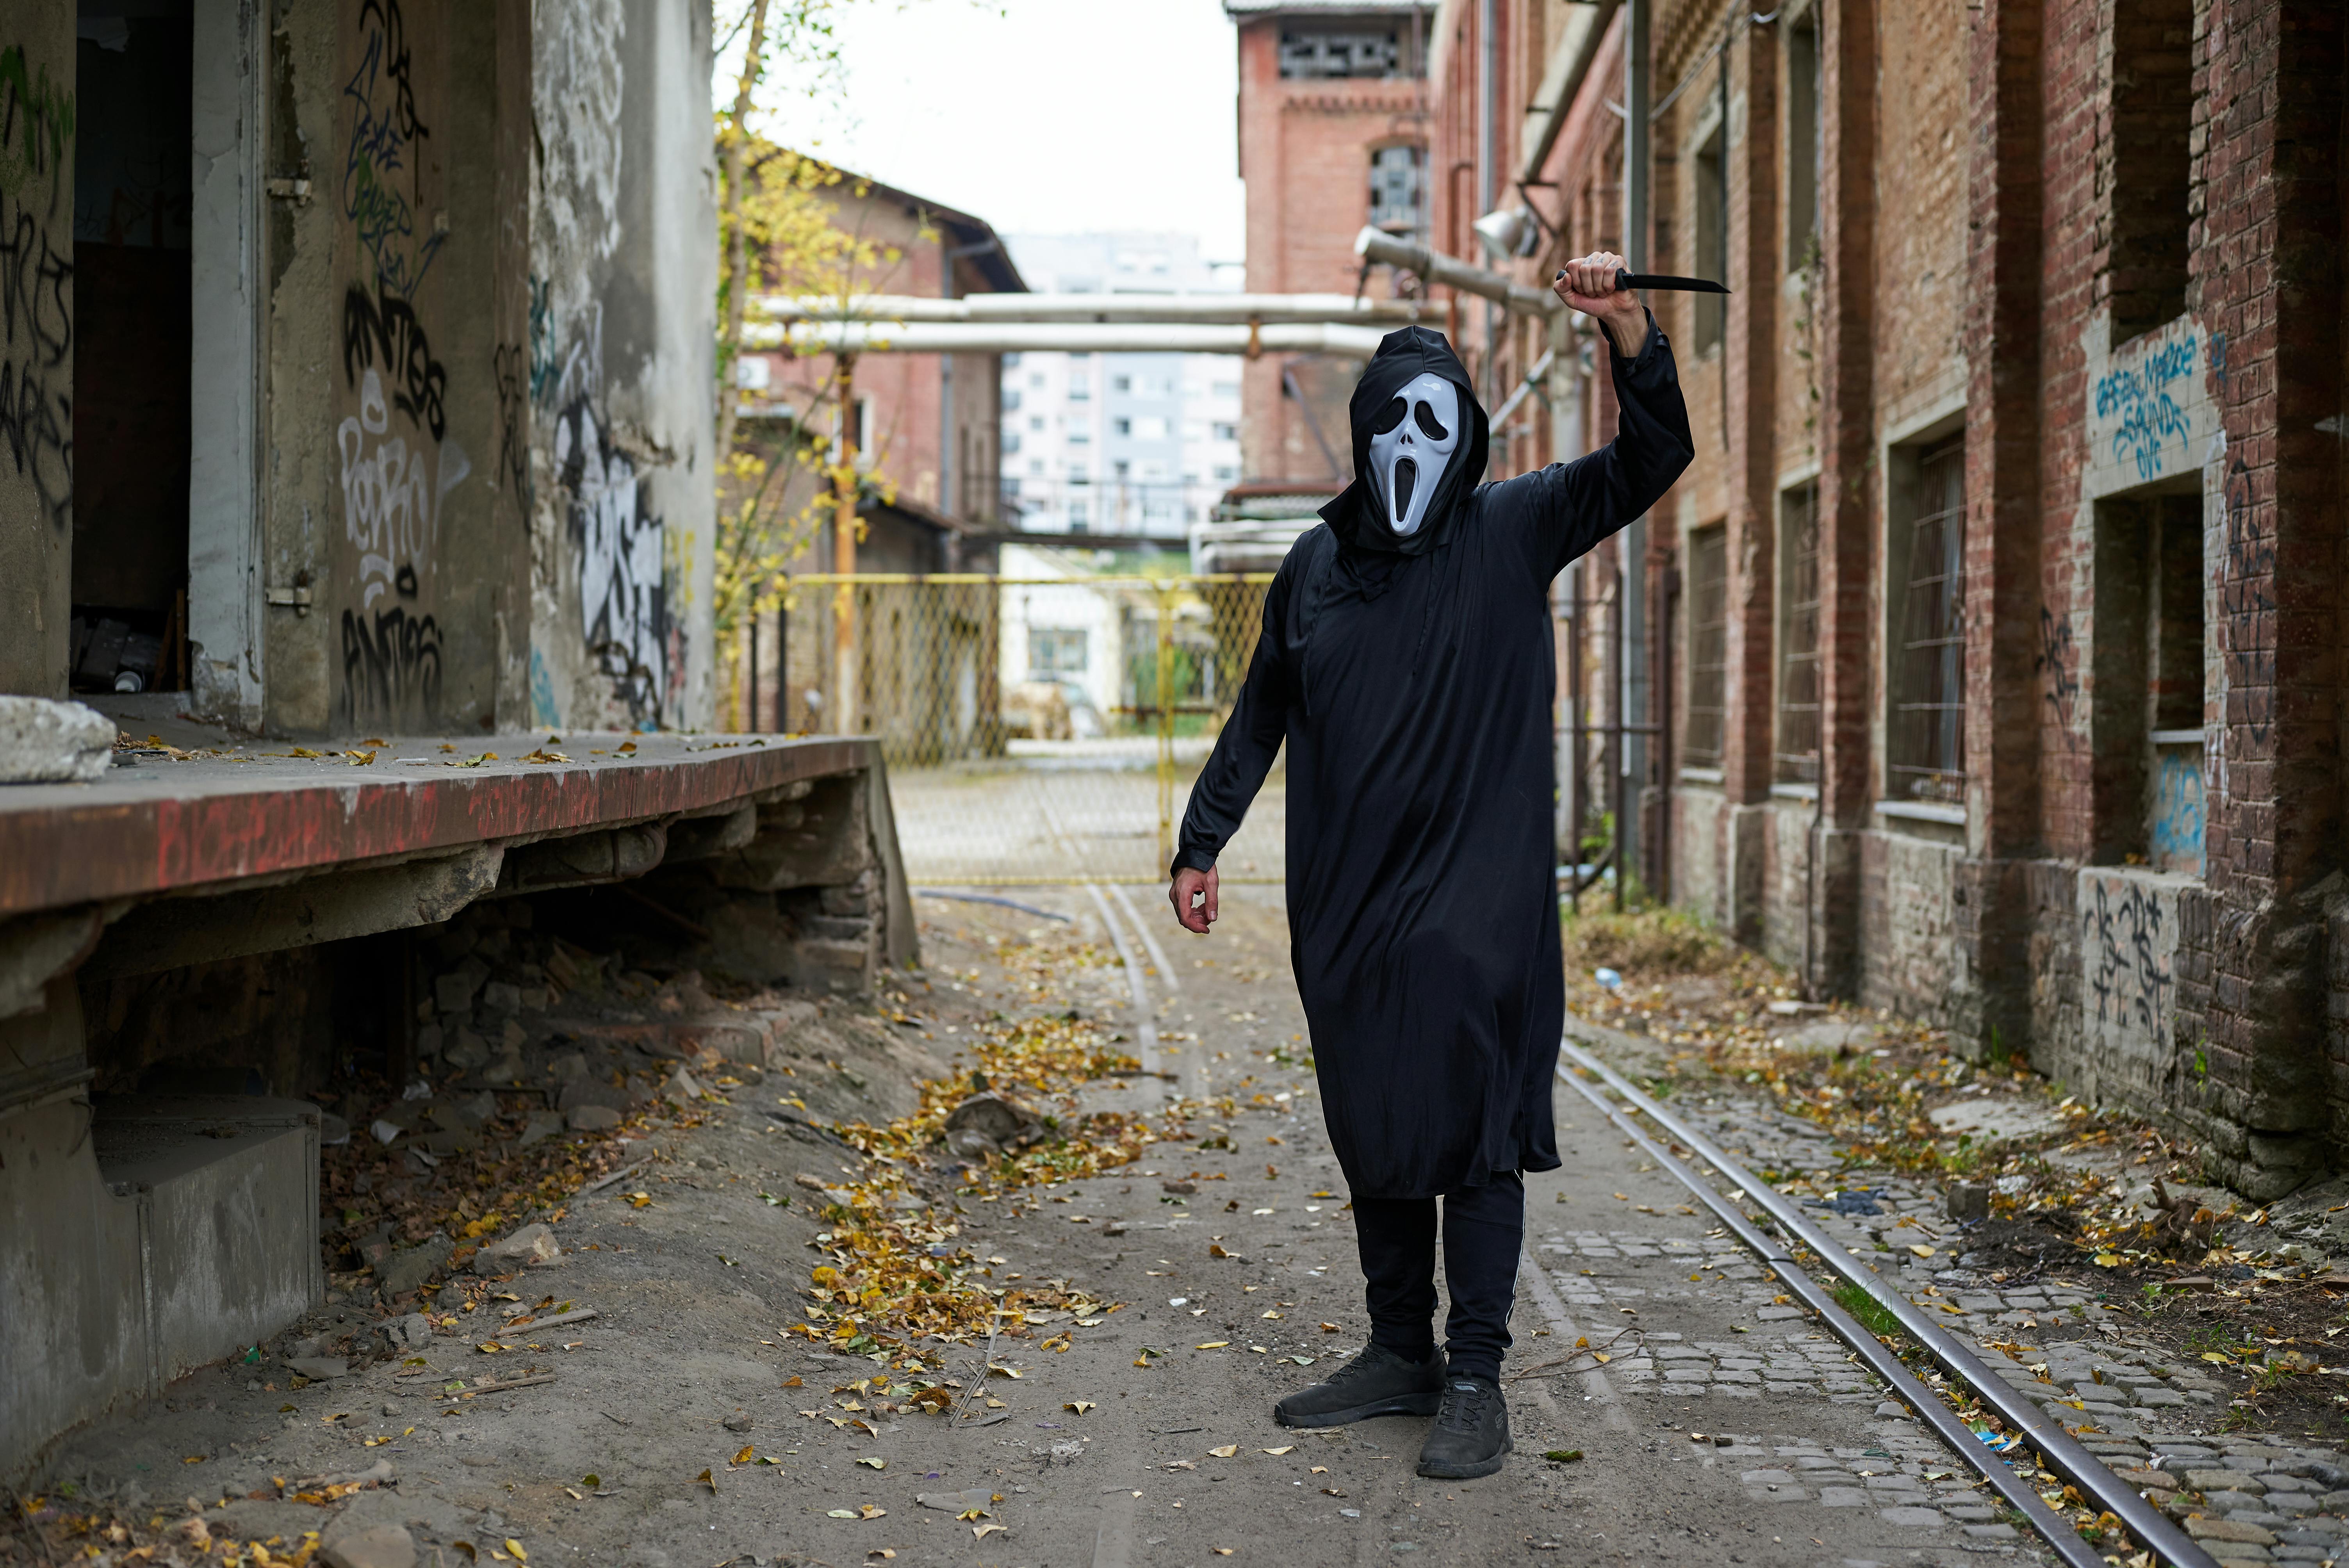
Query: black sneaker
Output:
(1470,1432)
(1378,1382)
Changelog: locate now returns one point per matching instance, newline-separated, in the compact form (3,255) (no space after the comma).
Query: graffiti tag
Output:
(381,135)
(2126,969)
(2145,400)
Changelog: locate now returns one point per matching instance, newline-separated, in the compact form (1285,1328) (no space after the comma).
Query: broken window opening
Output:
(1798,749)
(1925,755)
(1707,635)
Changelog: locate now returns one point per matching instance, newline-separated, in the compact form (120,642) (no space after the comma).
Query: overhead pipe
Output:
(1435,267)
(1119,310)
(1562,83)
(1060,337)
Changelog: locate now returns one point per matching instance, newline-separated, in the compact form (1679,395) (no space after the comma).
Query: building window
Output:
(1056,652)
(1079,436)
(1708,646)
(1122,426)
(2150,149)
(1319,55)
(1805,139)
(1711,231)
(1926,751)
(1226,432)
(1011,400)
(1399,188)
(1226,473)
(2145,695)
(1797,744)
(1079,387)
(1079,513)
(1010,443)
(1035,421)
(1121,383)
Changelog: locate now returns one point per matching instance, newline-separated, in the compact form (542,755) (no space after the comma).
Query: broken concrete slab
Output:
(382,1544)
(593,1117)
(1996,1119)
(45,742)
(407,1268)
(533,1246)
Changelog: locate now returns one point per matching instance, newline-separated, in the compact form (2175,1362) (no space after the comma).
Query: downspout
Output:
(1488,144)
(1633,672)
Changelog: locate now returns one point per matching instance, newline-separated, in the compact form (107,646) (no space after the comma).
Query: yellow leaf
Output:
(1290,1450)
(866,1510)
(641,1200)
(1227,1451)
(1214,1345)
(1600,1355)
(1331,1328)
(2216,1356)
(746,1456)
(516,1547)
(2109,1260)
(1920,1250)
(1079,1405)
(872,1463)
(704,1479)
(1272,1315)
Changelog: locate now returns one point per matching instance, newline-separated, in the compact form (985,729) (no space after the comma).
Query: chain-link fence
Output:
(1038,729)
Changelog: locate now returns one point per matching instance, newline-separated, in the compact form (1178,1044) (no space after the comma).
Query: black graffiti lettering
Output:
(388,330)
(404,582)
(397,69)
(510,363)
(2057,657)
(2124,969)
(391,672)
(2247,602)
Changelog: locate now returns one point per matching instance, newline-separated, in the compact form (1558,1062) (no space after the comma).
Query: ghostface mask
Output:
(1411,444)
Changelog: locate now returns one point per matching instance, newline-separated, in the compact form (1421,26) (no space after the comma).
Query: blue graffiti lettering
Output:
(2146,406)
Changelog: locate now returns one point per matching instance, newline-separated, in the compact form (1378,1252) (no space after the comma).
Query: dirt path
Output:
(1144,1440)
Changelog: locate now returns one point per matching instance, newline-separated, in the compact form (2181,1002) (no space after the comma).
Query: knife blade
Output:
(1624,280)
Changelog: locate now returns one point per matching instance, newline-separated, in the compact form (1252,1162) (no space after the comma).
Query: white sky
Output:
(1046,117)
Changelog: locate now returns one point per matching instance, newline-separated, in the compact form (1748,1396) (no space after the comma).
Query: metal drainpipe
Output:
(1489,146)
(1636,224)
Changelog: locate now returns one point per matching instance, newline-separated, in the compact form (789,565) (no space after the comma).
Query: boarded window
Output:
(1926,750)
(1399,188)
(1708,646)
(1310,56)
(1797,743)
(1805,136)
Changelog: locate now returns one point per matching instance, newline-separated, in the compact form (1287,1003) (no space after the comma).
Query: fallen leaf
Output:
(1227,1451)
(1214,1345)
(840,1513)
(514,1547)
(1564,1456)
(1079,1405)
(1920,1250)
(1331,1328)
(1272,1315)
(1290,1450)
(641,1200)
(704,1479)
(1221,1551)
(866,1510)
(746,1456)
(793,1382)
(981,1531)
(872,1463)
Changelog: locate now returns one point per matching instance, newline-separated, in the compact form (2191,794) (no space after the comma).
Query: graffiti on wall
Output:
(2177,809)
(384,133)
(2143,405)
(36,281)
(622,560)
(2059,659)
(2247,606)
(2124,955)
(398,463)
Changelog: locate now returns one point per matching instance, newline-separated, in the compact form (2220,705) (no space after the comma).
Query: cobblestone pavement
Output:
(687,1425)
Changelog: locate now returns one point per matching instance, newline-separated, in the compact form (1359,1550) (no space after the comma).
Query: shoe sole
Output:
(1471,1472)
(1408,1405)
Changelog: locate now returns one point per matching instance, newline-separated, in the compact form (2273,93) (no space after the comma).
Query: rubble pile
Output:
(536,1064)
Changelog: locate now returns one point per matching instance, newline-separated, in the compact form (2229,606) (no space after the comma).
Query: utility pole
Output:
(844,549)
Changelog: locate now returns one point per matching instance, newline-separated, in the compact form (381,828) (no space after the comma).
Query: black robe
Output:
(1413,681)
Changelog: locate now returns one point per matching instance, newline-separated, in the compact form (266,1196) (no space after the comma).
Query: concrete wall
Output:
(36,294)
(623,253)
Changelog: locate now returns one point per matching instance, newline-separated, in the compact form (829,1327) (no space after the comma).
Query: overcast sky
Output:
(1040,116)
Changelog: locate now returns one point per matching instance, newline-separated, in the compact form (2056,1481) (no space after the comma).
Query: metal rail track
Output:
(2055,1446)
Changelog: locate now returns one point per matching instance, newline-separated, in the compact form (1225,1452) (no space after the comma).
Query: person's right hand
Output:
(1190,886)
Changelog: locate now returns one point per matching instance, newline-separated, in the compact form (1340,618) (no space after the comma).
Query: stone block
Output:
(593,1119)
(534,1246)
(44,742)
(407,1268)
(350,1543)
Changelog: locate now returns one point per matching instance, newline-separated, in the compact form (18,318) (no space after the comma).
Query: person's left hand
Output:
(1586,283)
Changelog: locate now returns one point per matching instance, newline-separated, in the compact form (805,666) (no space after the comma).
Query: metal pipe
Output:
(1117,310)
(2055,1446)
(1065,338)
(1843,1327)
(1532,379)
(1562,83)
(1435,267)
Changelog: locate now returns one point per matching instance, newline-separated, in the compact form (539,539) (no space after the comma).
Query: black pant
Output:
(1483,1232)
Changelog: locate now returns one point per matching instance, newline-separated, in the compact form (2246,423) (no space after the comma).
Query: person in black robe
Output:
(1407,661)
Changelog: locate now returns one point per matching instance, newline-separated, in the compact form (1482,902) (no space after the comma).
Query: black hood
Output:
(1355,516)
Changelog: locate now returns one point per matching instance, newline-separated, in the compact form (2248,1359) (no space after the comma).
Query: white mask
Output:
(1411,446)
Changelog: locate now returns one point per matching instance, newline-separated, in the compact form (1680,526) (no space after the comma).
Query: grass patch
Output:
(1644,942)
(1872,1314)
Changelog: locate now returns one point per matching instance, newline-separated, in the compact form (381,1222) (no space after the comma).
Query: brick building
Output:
(1332,136)
(1997,655)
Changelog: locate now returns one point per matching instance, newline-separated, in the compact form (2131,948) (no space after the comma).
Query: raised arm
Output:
(1565,509)
(1244,754)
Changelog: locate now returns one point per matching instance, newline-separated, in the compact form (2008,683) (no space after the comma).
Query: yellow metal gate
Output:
(1038,729)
